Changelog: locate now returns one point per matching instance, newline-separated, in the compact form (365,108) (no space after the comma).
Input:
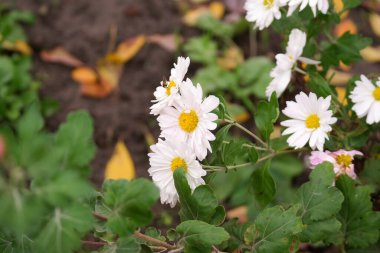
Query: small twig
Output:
(158,248)
(176,250)
(92,243)
(153,240)
(99,216)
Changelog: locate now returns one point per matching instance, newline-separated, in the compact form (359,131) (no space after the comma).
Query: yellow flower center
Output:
(376,94)
(268,3)
(312,121)
(171,84)
(344,160)
(177,163)
(188,121)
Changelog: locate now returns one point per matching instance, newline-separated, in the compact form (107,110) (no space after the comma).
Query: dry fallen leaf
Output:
(240,212)
(371,54)
(126,50)
(342,95)
(60,55)
(231,58)
(339,77)
(276,132)
(344,67)
(215,9)
(338,6)
(374,20)
(346,25)
(18,46)
(84,75)
(121,165)
(168,42)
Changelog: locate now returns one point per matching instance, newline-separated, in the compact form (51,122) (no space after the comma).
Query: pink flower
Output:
(341,159)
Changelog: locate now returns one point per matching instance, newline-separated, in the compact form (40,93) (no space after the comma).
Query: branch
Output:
(153,240)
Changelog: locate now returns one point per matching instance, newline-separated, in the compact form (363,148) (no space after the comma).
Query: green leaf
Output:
(324,230)
(273,230)
(30,123)
(254,76)
(201,49)
(371,172)
(213,26)
(201,205)
(63,232)
(198,235)
(349,4)
(266,115)
(213,78)
(360,223)
(123,245)
(236,232)
(75,137)
(318,198)
(264,188)
(6,70)
(129,204)
(320,86)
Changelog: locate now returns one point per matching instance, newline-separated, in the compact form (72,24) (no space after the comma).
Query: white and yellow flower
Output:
(310,121)
(168,92)
(285,63)
(263,12)
(366,99)
(321,5)
(165,158)
(190,120)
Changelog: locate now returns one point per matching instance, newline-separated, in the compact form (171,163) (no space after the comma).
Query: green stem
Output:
(254,136)
(242,165)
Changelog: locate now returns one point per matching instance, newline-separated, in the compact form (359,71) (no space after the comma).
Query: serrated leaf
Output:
(360,224)
(129,204)
(318,198)
(266,115)
(199,205)
(64,230)
(264,188)
(200,235)
(121,165)
(274,229)
(123,245)
(75,137)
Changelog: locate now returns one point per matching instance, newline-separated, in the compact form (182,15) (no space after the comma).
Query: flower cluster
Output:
(186,121)
(263,12)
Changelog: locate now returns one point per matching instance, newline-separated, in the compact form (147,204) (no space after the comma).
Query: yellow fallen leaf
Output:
(121,165)
(338,6)
(342,95)
(215,9)
(18,46)
(168,42)
(149,138)
(374,21)
(84,75)
(346,25)
(339,77)
(231,58)
(126,50)
(371,54)
(109,72)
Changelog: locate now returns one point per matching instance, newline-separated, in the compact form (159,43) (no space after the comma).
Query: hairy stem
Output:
(254,136)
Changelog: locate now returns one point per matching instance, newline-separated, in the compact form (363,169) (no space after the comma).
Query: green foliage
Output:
(320,202)
(360,224)
(199,236)
(264,188)
(266,115)
(274,230)
(201,49)
(127,205)
(200,205)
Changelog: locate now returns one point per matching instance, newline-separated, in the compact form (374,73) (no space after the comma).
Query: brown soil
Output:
(83,28)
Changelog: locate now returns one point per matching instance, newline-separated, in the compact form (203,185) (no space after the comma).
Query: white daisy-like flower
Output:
(190,120)
(285,63)
(165,158)
(310,121)
(168,93)
(321,5)
(263,12)
(366,97)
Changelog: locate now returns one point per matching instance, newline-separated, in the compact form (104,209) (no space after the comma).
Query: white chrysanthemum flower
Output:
(285,63)
(168,93)
(310,121)
(166,157)
(366,97)
(321,5)
(190,120)
(263,12)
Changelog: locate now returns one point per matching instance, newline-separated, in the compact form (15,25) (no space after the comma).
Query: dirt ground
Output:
(83,28)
